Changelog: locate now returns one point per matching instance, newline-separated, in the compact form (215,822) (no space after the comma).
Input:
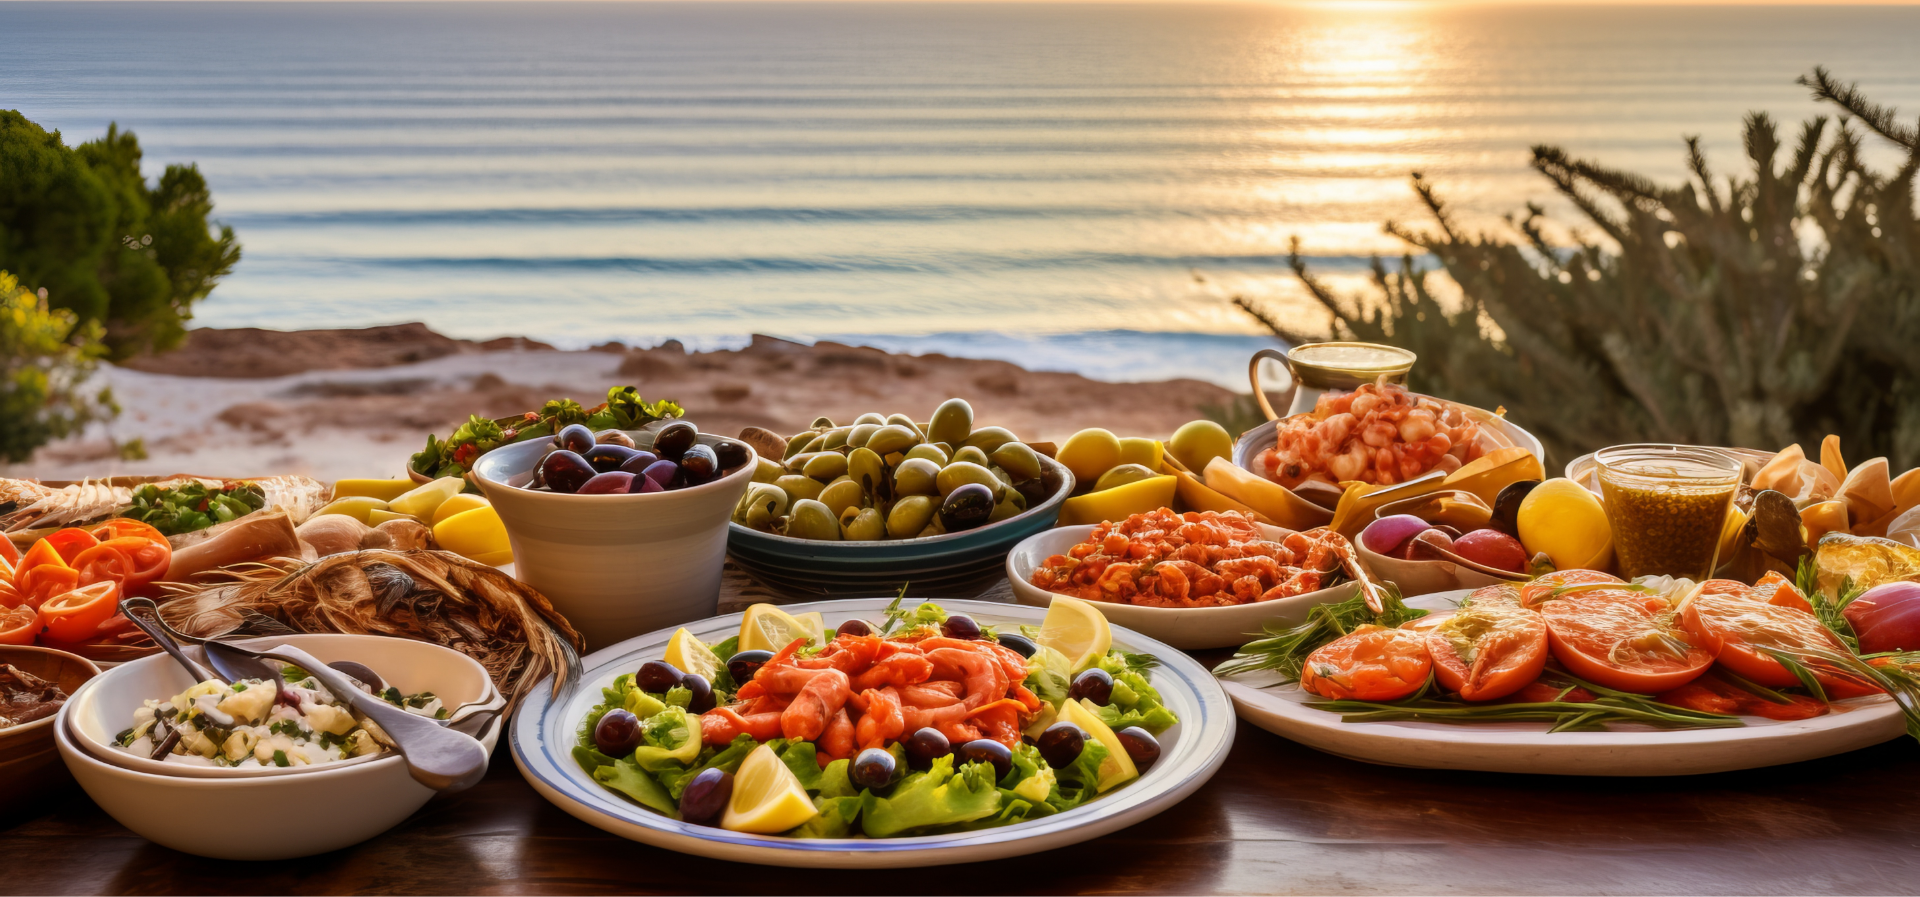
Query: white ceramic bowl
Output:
(102,711)
(615,566)
(257,817)
(1182,627)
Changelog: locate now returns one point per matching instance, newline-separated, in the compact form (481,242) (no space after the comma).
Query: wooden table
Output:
(1278,818)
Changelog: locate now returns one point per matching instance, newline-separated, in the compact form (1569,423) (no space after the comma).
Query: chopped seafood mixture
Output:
(254,723)
(25,697)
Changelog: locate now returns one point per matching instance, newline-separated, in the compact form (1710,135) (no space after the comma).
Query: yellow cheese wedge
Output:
(385,490)
(1119,502)
(1266,496)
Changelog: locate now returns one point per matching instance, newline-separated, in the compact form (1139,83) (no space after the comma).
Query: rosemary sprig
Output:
(1285,649)
(1828,610)
(1895,678)
(1608,706)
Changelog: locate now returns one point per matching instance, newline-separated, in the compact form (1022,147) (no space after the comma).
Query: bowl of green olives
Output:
(884,501)
(625,531)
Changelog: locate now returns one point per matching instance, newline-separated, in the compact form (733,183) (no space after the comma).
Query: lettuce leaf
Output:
(834,781)
(938,797)
(1135,703)
(1079,781)
(835,820)
(675,780)
(629,779)
(672,740)
(801,757)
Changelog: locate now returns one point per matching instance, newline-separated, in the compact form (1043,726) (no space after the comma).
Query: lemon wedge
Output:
(1118,767)
(765,627)
(690,655)
(1077,629)
(767,798)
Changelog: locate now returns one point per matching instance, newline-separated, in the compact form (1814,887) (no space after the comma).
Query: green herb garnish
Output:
(1285,650)
(193,506)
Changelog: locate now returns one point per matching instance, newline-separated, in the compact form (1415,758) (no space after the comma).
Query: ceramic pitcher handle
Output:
(1253,376)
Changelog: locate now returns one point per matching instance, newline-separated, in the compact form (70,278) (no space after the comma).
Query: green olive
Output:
(766,470)
(762,503)
(893,438)
(798,443)
(866,525)
(1004,476)
(1018,459)
(841,495)
(871,417)
(870,472)
(1122,475)
(1013,504)
(916,476)
(907,422)
(835,438)
(988,439)
(930,452)
(821,423)
(960,473)
(971,455)
(951,422)
(910,515)
(810,519)
(826,465)
(798,487)
(893,459)
(816,444)
(860,433)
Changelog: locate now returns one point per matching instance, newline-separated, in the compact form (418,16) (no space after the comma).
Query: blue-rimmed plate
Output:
(543,730)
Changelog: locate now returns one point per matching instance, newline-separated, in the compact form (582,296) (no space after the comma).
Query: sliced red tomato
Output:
(1563,582)
(122,527)
(1368,664)
(1735,622)
(6,567)
(1713,694)
(9,552)
(37,584)
(1779,590)
(70,542)
(1546,688)
(1619,643)
(75,615)
(41,554)
(19,625)
(128,560)
(9,596)
(1491,648)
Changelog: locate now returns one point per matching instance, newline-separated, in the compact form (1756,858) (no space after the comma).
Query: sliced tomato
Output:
(1612,641)
(19,625)
(1491,648)
(6,567)
(1713,694)
(1368,664)
(1779,590)
(123,527)
(1550,687)
(40,555)
(9,596)
(9,552)
(1561,582)
(128,560)
(37,584)
(70,542)
(1734,621)
(75,615)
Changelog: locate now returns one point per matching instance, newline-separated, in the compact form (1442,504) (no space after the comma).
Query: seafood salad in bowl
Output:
(1380,433)
(260,723)
(926,722)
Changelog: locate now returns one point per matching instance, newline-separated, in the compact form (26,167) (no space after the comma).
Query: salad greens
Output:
(193,506)
(624,409)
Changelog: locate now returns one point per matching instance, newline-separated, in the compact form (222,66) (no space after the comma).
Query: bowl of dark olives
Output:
(868,507)
(624,531)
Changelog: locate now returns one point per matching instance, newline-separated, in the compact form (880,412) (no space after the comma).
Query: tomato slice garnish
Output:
(10,597)
(18,625)
(1491,648)
(42,554)
(9,552)
(70,542)
(37,584)
(129,560)
(1712,694)
(75,615)
(1735,621)
(1611,638)
(1368,664)
(122,527)
(1564,582)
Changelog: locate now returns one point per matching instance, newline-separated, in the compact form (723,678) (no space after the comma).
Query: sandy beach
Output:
(358,403)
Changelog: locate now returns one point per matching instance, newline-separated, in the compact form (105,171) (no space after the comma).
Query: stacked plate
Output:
(340,804)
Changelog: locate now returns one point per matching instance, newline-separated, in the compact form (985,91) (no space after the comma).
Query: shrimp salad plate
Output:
(1744,738)
(880,732)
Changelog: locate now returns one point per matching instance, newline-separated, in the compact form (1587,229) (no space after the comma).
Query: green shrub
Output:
(46,357)
(83,224)
(1752,311)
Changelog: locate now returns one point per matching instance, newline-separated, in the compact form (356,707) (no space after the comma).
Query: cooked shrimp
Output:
(882,720)
(722,725)
(822,696)
(836,742)
(984,678)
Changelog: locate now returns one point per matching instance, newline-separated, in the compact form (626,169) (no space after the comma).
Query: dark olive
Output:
(565,471)
(656,676)
(743,665)
(1061,744)
(966,507)
(638,462)
(666,473)
(731,454)
(646,484)
(854,628)
(1034,491)
(1020,644)
(613,482)
(575,438)
(706,796)
(674,439)
(1142,747)
(925,746)
(608,457)
(1506,506)
(617,733)
(1095,685)
(962,627)
(986,750)
(702,691)
(699,464)
(873,768)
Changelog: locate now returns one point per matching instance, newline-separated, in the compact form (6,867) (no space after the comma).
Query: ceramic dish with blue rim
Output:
(543,736)
(930,564)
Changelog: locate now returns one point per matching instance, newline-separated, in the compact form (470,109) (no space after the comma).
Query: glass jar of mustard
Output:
(1667,506)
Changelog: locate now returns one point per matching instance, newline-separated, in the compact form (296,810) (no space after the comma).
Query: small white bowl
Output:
(98,713)
(1182,627)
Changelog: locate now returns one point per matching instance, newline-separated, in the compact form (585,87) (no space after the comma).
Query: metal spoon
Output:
(440,758)
(360,673)
(145,615)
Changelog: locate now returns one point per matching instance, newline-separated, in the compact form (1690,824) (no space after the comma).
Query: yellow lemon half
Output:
(765,627)
(1076,629)
(767,798)
(1118,767)
(690,655)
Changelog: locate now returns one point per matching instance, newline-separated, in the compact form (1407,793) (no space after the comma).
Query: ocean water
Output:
(1073,186)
